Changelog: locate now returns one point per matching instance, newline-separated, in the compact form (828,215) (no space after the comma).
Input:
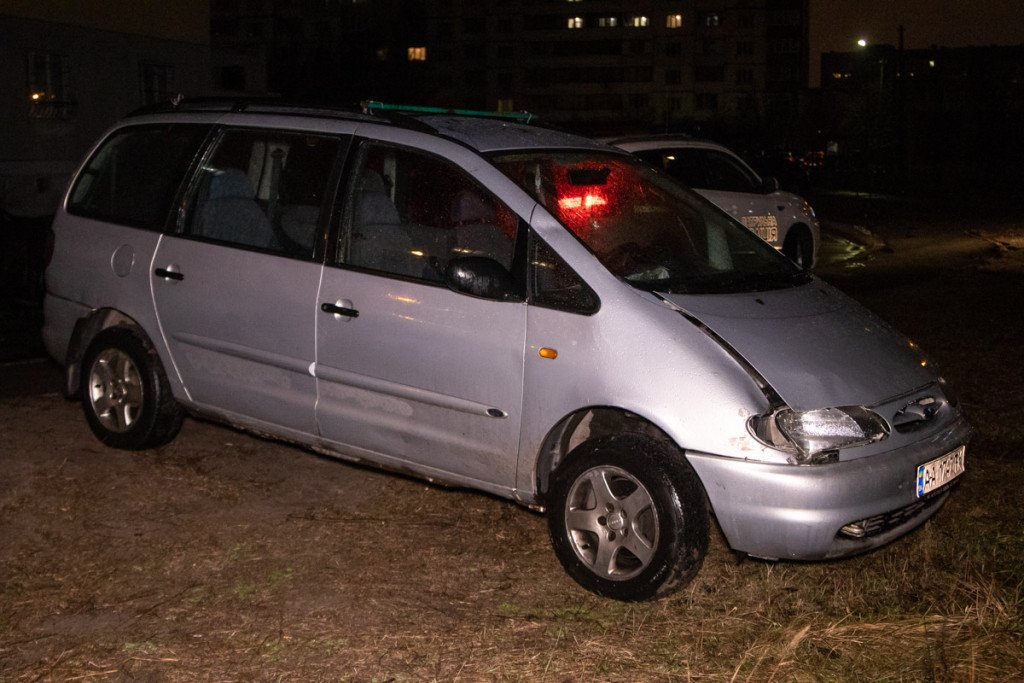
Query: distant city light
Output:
(862,42)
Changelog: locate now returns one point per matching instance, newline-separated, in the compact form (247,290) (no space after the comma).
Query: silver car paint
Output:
(815,346)
(637,353)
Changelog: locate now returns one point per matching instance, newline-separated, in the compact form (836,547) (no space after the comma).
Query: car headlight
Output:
(817,435)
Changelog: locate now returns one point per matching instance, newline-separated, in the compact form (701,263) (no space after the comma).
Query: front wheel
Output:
(127,401)
(628,517)
(799,247)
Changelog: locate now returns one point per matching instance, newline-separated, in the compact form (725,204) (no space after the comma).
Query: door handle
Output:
(169,274)
(338,309)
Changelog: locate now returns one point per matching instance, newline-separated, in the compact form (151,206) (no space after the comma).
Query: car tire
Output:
(125,393)
(799,247)
(628,517)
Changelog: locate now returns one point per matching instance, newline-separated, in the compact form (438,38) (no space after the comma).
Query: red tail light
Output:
(587,201)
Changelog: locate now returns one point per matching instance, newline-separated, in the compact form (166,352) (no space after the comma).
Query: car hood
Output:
(815,346)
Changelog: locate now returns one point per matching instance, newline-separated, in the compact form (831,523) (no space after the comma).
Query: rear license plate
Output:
(939,472)
(765,227)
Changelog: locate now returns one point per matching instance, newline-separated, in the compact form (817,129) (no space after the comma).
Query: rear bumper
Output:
(791,512)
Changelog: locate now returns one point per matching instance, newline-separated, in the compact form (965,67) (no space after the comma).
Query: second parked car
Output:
(782,219)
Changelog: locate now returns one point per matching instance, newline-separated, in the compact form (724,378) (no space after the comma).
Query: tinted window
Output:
(726,174)
(409,213)
(264,189)
(685,165)
(134,176)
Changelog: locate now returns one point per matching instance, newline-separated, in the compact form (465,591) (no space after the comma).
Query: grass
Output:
(268,563)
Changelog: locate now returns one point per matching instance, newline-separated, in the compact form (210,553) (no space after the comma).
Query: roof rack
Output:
(370,106)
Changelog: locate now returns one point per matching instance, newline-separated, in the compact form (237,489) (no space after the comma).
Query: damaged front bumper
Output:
(779,511)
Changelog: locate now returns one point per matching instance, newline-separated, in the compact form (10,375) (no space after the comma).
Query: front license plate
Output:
(941,471)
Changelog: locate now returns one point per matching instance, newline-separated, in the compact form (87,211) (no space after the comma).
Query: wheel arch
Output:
(84,332)
(794,233)
(582,425)
(796,229)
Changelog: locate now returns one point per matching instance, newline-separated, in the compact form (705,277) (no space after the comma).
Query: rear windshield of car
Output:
(645,227)
(133,177)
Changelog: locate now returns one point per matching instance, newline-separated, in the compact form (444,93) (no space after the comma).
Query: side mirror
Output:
(482,277)
(769,185)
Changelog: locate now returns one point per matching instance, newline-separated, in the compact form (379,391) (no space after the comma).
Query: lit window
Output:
(417,54)
(575,22)
(711,20)
(638,21)
(49,85)
(608,22)
(674,21)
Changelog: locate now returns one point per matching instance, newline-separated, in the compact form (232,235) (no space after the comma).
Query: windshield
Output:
(645,227)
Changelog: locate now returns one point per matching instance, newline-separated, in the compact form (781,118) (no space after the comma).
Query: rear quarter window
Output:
(134,176)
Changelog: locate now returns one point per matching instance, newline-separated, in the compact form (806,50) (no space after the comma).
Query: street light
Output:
(862,42)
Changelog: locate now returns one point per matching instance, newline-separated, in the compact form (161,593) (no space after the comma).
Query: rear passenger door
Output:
(409,372)
(235,289)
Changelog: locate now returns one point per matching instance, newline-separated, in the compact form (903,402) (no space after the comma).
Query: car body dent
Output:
(804,341)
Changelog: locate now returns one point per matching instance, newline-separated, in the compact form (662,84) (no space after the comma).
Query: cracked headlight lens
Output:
(815,431)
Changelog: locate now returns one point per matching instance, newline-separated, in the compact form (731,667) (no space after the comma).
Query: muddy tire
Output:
(628,517)
(125,394)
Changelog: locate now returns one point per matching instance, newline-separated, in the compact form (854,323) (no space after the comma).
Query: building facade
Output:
(69,70)
(333,51)
(603,62)
(955,111)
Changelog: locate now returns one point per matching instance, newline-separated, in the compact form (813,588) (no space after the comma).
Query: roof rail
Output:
(370,106)
(263,105)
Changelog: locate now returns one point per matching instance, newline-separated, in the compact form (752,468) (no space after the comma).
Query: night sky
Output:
(837,24)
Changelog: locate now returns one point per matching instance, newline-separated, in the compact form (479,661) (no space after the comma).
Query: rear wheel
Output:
(127,400)
(628,517)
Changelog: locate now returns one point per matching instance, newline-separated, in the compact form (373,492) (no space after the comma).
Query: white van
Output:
(784,220)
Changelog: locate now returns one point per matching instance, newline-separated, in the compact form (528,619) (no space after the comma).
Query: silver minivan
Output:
(498,306)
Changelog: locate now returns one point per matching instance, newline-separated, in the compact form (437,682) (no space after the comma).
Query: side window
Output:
(685,165)
(409,213)
(553,284)
(264,189)
(133,178)
(728,175)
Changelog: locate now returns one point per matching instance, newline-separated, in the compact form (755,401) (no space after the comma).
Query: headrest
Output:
(231,183)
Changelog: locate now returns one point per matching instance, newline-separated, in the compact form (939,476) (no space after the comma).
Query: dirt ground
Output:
(225,557)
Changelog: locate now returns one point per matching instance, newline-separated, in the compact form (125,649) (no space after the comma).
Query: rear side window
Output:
(264,189)
(133,177)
